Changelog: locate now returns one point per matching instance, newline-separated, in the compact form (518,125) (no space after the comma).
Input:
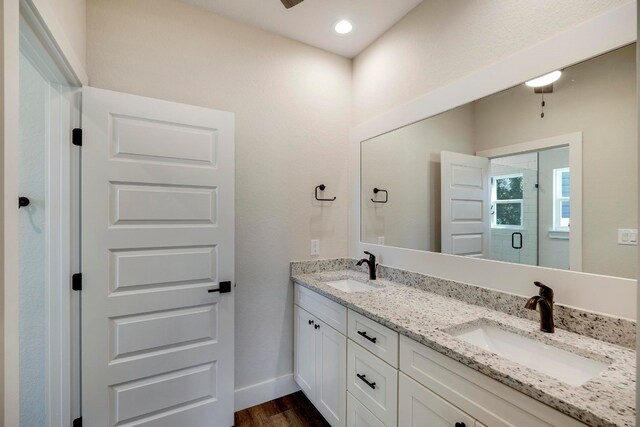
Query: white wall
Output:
(406,162)
(554,253)
(441,41)
(292,106)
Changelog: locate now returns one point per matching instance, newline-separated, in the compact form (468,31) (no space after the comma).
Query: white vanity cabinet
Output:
(320,355)
(359,373)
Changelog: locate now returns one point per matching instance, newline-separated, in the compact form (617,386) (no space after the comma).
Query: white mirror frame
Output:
(599,35)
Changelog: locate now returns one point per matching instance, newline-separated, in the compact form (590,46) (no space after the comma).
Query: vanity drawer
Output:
(330,312)
(359,416)
(378,339)
(373,382)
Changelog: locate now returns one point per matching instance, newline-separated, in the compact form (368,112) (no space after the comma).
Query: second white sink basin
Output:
(350,285)
(563,365)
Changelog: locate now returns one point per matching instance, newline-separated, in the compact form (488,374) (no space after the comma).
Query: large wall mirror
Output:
(543,173)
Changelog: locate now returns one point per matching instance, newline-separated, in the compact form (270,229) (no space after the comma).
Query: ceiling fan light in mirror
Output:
(545,80)
(290,3)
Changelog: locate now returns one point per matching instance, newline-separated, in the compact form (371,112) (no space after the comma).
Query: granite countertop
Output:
(606,400)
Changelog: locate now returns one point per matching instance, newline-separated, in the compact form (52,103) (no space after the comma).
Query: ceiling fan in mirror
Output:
(290,3)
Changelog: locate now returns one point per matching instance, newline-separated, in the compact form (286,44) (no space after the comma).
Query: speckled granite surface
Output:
(604,328)
(430,318)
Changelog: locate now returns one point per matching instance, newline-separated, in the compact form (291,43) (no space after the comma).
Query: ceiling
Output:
(312,21)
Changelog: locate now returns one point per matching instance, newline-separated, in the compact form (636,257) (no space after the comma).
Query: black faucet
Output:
(545,302)
(371,262)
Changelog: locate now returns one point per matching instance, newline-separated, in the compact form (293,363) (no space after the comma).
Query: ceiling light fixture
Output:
(545,80)
(343,27)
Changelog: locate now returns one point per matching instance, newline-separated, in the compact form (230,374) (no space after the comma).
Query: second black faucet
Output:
(371,262)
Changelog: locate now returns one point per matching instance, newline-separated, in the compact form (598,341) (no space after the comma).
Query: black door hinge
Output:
(76,137)
(76,283)
(77,422)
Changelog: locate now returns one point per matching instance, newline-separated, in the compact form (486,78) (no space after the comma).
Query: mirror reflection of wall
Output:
(527,207)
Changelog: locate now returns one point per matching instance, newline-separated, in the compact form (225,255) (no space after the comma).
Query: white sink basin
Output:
(350,286)
(565,366)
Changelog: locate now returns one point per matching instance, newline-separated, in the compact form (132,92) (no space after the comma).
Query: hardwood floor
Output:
(294,410)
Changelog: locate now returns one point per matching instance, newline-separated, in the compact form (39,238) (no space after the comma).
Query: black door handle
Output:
(364,378)
(23,202)
(364,334)
(223,288)
(513,240)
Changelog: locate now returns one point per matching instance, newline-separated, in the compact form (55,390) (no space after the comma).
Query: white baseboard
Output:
(256,394)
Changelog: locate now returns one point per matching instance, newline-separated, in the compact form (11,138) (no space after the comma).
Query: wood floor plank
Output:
(294,410)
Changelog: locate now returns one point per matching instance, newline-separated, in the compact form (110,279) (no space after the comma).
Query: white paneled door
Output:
(157,239)
(466,205)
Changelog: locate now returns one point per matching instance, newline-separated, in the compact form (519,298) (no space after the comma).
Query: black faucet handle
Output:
(545,291)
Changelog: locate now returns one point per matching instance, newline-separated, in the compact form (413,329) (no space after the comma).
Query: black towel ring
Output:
(321,187)
(379,190)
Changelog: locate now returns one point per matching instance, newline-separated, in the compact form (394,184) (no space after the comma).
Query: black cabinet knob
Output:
(311,322)
(316,326)
(23,202)
(460,425)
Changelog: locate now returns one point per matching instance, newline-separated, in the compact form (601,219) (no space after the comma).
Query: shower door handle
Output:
(513,240)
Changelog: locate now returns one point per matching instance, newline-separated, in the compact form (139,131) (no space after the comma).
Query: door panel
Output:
(157,235)
(305,351)
(466,206)
(331,375)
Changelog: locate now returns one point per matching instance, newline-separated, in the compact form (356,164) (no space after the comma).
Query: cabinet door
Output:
(331,374)
(359,416)
(304,362)
(419,407)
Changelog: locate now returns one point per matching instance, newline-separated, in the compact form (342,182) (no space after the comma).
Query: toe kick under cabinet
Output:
(359,373)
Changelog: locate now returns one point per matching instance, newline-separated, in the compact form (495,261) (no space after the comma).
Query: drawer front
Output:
(488,401)
(420,407)
(330,312)
(373,382)
(378,339)
(359,416)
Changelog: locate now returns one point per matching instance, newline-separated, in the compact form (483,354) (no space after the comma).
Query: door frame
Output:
(574,142)
(34,39)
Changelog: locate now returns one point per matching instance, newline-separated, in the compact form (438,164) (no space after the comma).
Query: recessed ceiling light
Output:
(343,27)
(545,80)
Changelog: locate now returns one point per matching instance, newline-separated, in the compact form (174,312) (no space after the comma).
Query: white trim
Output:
(10,137)
(256,394)
(574,142)
(601,34)
(56,35)
(557,234)
(62,114)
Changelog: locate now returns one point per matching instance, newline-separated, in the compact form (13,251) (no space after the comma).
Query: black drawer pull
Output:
(364,334)
(364,378)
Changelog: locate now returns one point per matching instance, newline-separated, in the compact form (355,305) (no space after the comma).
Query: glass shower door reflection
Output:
(514,214)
